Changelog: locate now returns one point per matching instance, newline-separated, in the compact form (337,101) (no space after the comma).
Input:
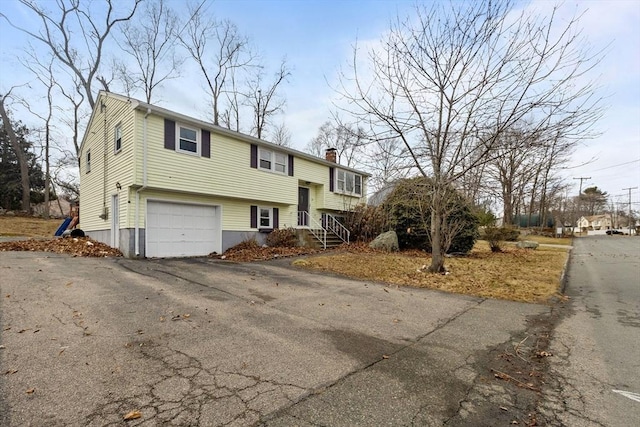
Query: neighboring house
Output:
(595,222)
(156,183)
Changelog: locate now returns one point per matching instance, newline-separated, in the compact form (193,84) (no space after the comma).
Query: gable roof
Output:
(164,112)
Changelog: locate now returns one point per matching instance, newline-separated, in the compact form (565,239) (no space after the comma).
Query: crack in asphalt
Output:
(412,343)
(181,391)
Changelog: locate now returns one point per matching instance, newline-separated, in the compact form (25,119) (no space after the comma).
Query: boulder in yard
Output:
(386,241)
(527,244)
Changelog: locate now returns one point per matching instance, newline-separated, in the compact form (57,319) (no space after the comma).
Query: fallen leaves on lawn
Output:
(77,246)
(248,253)
(514,274)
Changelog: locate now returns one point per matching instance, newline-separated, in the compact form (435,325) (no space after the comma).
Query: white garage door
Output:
(178,229)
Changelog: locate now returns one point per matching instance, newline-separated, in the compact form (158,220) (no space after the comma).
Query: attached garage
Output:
(179,229)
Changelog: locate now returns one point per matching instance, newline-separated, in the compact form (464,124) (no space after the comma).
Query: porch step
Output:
(333,240)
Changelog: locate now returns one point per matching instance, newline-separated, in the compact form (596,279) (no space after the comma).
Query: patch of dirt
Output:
(76,246)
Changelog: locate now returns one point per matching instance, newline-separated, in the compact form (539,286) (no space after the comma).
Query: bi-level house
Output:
(156,183)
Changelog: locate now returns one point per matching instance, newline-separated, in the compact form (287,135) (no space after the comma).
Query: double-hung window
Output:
(281,163)
(341,180)
(272,161)
(265,219)
(117,143)
(188,139)
(349,182)
(265,159)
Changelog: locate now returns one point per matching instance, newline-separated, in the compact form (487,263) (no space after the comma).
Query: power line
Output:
(615,166)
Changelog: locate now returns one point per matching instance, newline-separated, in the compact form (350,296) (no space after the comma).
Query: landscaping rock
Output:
(527,244)
(386,241)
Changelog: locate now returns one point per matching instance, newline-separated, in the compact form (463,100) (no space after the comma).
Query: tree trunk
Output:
(22,159)
(507,212)
(437,255)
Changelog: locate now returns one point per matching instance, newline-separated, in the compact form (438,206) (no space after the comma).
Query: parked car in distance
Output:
(610,232)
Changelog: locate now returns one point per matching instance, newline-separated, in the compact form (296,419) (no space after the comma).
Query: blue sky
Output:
(317,38)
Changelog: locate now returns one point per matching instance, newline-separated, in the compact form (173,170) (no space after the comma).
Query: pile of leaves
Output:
(76,246)
(251,250)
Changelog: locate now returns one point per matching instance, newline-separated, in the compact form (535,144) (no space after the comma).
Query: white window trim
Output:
(198,140)
(260,226)
(87,161)
(344,190)
(118,127)
(273,156)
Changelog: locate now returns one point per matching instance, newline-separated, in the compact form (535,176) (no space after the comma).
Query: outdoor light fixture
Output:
(118,186)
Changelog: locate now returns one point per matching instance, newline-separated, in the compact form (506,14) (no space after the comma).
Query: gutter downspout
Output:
(144,181)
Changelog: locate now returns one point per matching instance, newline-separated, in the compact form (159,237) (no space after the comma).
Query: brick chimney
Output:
(330,155)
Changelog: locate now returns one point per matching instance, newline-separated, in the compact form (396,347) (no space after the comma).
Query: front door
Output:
(303,206)
(115,222)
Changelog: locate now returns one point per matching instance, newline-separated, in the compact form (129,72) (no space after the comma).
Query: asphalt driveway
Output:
(206,342)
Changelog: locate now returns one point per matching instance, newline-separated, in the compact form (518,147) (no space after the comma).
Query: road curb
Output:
(563,275)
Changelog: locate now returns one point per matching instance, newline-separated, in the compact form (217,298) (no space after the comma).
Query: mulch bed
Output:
(76,246)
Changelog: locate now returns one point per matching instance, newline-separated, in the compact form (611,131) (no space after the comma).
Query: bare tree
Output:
(281,135)
(76,37)
(512,168)
(45,74)
(150,42)
(346,138)
(387,161)
(76,98)
(19,151)
(262,97)
(450,80)
(219,50)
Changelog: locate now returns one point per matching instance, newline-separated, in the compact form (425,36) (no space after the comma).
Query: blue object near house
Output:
(63,226)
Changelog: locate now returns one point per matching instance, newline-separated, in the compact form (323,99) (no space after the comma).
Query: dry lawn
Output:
(548,240)
(28,226)
(515,274)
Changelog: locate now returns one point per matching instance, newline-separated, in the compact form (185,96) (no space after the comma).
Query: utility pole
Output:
(630,188)
(582,178)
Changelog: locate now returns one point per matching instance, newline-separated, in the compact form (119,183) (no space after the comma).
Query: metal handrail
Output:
(307,220)
(337,228)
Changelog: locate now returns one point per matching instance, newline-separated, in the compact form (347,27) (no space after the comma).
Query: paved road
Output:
(597,346)
(204,342)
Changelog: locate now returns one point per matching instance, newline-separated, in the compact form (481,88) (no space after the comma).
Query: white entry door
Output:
(180,229)
(115,222)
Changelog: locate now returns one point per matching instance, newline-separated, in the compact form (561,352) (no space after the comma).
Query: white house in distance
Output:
(595,222)
(156,183)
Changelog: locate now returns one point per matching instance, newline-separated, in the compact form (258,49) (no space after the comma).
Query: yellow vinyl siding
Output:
(227,173)
(97,187)
(236,214)
(317,173)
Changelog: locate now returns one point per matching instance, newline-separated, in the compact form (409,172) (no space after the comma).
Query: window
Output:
(265,159)
(266,218)
(341,178)
(281,163)
(88,161)
(188,140)
(358,185)
(272,161)
(349,182)
(117,145)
